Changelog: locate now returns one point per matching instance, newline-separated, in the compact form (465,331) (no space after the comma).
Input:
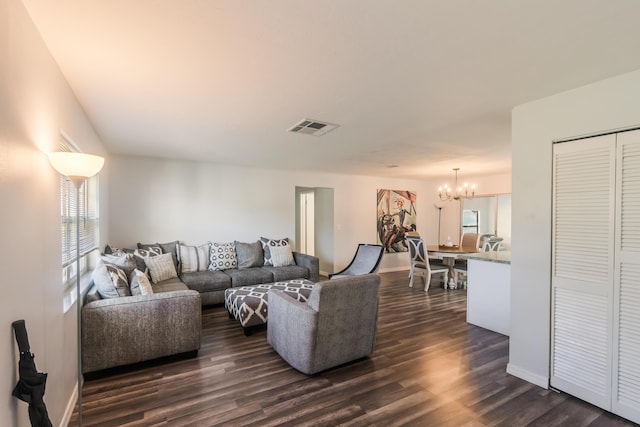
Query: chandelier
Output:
(446,193)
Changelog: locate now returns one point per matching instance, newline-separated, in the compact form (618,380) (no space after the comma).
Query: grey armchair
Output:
(366,260)
(336,325)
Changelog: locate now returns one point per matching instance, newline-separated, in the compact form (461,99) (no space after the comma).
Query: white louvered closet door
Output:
(626,360)
(582,268)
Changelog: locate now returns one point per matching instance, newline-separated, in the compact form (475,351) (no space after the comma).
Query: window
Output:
(89,223)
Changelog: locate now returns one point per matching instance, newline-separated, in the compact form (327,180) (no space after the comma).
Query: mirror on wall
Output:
(488,215)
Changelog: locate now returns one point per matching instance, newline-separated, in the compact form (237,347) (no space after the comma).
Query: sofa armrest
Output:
(121,331)
(310,262)
(291,330)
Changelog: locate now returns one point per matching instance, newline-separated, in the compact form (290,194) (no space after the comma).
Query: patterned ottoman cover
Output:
(248,304)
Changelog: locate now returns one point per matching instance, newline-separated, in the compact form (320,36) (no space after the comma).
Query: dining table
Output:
(448,255)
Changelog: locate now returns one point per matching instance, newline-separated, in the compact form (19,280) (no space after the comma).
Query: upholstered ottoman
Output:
(248,304)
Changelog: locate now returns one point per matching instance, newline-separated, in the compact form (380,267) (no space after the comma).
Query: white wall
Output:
(155,200)
(35,102)
(606,105)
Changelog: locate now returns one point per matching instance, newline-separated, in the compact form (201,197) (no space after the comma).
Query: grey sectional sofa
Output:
(212,284)
(128,329)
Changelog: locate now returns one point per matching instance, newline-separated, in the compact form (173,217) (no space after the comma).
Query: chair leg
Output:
(427,282)
(446,279)
(411,280)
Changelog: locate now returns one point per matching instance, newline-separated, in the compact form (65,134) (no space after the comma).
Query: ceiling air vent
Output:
(312,127)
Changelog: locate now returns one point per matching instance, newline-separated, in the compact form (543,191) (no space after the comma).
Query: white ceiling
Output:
(426,85)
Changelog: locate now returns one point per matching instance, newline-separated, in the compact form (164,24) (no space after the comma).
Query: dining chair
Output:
(492,244)
(470,239)
(421,265)
(460,266)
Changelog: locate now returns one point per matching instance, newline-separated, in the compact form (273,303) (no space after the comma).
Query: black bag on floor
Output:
(31,383)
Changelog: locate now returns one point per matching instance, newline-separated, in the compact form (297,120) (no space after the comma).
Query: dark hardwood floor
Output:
(429,368)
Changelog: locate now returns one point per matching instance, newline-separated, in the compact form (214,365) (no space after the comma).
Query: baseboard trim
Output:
(391,269)
(528,376)
(71,405)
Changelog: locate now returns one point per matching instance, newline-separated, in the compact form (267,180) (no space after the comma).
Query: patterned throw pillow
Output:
(267,244)
(281,256)
(194,258)
(111,281)
(166,248)
(140,284)
(139,256)
(161,267)
(223,256)
(123,261)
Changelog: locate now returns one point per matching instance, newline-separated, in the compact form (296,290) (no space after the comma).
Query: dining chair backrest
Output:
(492,244)
(417,252)
(420,265)
(470,240)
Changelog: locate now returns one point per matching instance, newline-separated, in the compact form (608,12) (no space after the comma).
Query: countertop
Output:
(503,257)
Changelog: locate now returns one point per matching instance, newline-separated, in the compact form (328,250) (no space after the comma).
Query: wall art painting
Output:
(396,216)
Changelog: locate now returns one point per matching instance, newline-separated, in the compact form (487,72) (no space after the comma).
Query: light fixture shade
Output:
(76,165)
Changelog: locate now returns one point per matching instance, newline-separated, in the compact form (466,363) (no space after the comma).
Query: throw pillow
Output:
(108,250)
(249,254)
(193,258)
(223,256)
(124,262)
(267,244)
(167,248)
(161,267)
(140,284)
(139,256)
(281,256)
(111,281)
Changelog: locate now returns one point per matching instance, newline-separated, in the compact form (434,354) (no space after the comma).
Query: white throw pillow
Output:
(223,256)
(281,256)
(161,267)
(140,284)
(194,258)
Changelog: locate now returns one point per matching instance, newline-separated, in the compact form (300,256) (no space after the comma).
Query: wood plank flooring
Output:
(429,368)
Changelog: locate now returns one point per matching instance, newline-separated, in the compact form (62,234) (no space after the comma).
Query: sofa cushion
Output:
(140,284)
(223,256)
(161,267)
(267,244)
(288,273)
(169,285)
(193,258)
(112,282)
(206,281)
(249,254)
(249,276)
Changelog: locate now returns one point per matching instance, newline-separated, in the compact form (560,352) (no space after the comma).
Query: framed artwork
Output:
(396,216)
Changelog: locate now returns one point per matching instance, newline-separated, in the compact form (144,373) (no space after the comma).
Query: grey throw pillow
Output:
(249,254)
(111,281)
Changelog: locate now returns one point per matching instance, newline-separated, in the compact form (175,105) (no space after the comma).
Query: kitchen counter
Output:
(503,257)
(489,290)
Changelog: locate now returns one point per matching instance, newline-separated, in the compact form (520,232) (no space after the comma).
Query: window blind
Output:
(88,217)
